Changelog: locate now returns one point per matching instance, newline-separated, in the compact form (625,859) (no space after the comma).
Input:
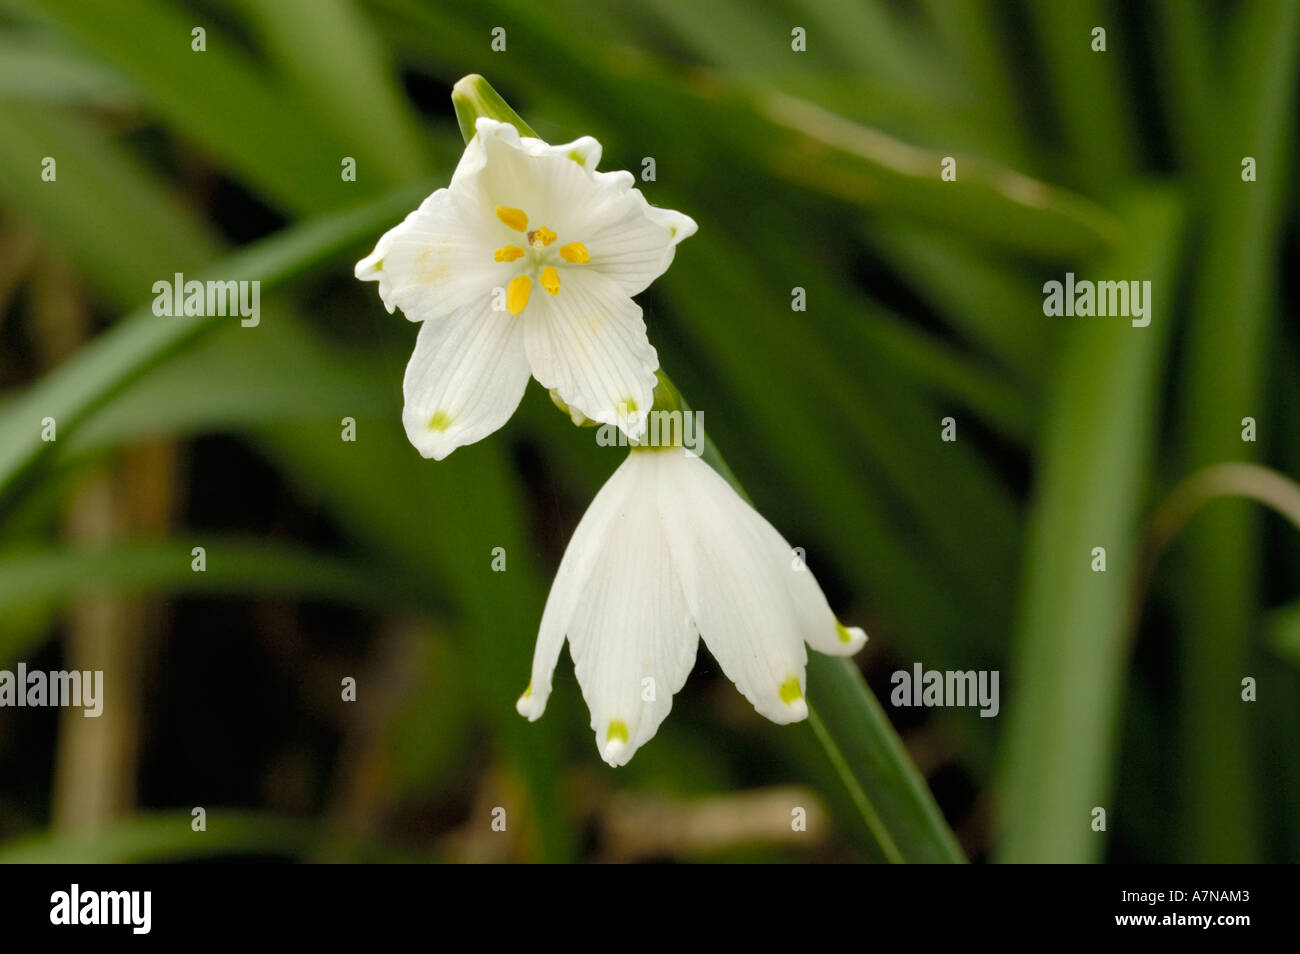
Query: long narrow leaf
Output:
(1067,674)
(138,342)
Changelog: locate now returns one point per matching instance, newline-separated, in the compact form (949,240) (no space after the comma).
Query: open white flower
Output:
(527,262)
(668,553)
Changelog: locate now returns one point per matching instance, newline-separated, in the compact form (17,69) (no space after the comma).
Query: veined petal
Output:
(439,259)
(551,183)
(733,589)
(584,151)
(632,639)
(632,241)
(596,527)
(464,379)
(589,344)
(817,624)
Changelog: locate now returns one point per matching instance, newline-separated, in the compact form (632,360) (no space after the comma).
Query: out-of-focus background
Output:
(816,169)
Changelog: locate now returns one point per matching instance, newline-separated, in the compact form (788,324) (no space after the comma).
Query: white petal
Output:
(550,184)
(597,525)
(464,379)
(589,344)
(734,589)
(632,638)
(438,259)
(628,239)
(817,624)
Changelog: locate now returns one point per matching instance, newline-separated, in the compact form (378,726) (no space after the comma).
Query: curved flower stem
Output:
(860,799)
(883,783)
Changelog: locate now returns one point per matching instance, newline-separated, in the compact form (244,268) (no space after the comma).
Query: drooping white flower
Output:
(669,553)
(526,263)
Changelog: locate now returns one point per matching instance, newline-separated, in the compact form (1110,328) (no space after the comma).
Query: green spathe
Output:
(473,96)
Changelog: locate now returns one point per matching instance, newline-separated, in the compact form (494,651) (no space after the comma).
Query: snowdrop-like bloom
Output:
(526,263)
(669,553)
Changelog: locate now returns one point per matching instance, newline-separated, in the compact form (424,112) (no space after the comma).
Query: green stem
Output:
(1224,370)
(860,799)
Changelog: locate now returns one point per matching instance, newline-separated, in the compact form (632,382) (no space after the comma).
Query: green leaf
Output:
(103,208)
(55,576)
(219,98)
(885,785)
(34,69)
(795,141)
(1229,335)
(973,293)
(328,54)
(1067,672)
(93,375)
(1087,86)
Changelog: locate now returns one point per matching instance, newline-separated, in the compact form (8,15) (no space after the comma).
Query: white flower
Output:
(669,553)
(526,263)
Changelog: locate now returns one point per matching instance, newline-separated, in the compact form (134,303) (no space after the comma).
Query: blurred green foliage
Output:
(816,169)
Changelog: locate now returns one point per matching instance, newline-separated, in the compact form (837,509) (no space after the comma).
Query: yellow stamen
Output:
(517,294)
(550,280)
(790,691)
(508,253)
(543,235)
(575,252)
(513,218)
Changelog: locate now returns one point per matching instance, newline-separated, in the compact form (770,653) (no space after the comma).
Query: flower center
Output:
(539,258)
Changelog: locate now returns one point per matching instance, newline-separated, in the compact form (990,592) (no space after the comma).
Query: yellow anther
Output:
(550,280)
(514,218)
(508,253)
(543,235)
(575,252)
(517,294)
